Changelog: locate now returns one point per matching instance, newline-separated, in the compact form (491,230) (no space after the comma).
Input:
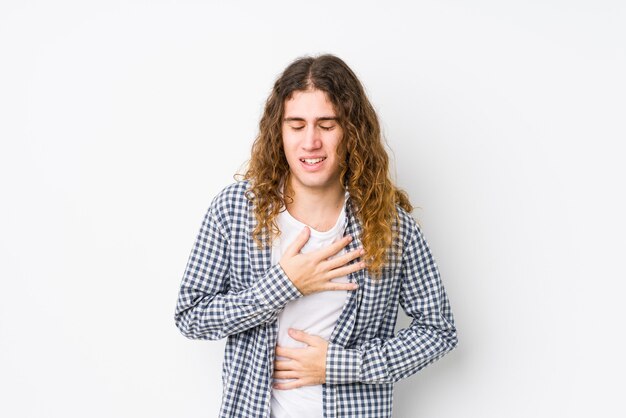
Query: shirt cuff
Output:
(275,288)
(343,365)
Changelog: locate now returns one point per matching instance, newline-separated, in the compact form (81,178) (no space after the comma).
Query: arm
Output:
(431,334)
(207,308)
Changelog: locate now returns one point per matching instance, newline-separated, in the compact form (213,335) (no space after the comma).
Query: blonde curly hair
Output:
(364,163)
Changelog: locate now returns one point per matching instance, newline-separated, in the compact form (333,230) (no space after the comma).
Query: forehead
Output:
(308,103)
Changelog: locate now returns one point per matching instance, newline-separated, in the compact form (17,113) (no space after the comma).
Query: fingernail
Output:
(349,237)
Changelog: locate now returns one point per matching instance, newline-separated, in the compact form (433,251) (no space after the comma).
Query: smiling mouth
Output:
(312,161)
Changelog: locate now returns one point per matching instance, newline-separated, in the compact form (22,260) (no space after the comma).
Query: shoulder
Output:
(408,229)
(231,202)
(234,193)
(407,225)
(415,247)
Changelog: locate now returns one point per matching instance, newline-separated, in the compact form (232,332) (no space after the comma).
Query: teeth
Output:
(312,160)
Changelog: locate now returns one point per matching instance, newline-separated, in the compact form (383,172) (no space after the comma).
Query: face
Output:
(311,135)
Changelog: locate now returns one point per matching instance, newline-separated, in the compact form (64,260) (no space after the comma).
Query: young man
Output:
(304,263)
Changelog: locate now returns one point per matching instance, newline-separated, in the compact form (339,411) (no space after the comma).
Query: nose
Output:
(311,140)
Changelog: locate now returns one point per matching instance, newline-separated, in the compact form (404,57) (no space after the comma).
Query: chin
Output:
(318,183)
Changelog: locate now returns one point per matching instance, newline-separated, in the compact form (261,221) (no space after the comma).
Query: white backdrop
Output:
(120,120)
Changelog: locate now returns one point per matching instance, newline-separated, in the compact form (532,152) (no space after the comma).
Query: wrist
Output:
(343,365)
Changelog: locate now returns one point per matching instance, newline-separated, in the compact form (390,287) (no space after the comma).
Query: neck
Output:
(318,208)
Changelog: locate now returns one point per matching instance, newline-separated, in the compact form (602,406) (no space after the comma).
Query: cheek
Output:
(289,150)
(338,144)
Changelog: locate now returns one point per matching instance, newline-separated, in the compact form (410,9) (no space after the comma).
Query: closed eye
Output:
(324,128)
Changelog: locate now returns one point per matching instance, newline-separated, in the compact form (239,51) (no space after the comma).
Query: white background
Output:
(120,120)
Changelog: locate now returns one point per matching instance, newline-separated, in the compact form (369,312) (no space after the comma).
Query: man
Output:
(304,263)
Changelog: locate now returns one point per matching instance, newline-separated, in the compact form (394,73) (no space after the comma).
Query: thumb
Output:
(296,246)
(302,336)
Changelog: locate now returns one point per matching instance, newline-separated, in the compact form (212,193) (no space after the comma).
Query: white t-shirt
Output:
(315,314)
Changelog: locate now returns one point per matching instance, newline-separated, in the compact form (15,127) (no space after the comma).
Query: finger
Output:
(286,374)
(341,286)
(345,270)
(296,246)
(333,248)
(286,352)
(345,258)
(288,385)
(302,336)
(283,365)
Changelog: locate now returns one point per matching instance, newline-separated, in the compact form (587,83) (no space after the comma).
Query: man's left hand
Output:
(306,365)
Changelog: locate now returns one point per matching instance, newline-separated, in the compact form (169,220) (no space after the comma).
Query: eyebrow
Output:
(298,119)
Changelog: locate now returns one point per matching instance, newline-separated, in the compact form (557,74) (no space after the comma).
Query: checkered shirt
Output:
(230,290)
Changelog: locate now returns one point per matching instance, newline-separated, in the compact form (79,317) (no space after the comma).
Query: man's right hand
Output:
(312,272)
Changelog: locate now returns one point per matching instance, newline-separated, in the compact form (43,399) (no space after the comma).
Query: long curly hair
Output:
(364,163)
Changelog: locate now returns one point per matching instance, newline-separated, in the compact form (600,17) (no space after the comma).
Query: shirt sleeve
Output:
(430,336)
(207,308)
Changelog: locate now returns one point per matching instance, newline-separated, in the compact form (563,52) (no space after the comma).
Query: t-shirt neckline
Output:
(321,234)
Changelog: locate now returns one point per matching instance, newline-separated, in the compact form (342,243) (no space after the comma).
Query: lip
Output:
(311,157)
(312,168)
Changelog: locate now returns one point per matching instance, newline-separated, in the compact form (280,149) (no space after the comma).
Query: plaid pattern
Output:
(230,290)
